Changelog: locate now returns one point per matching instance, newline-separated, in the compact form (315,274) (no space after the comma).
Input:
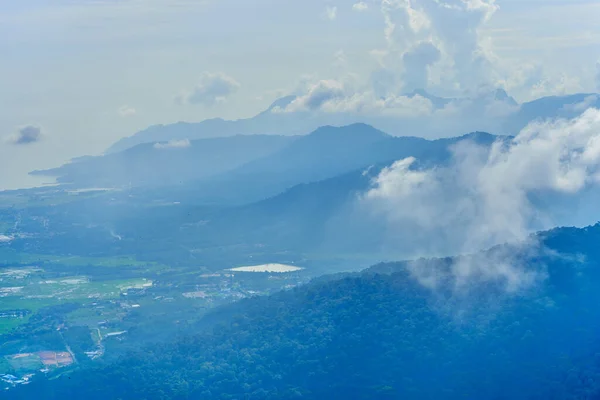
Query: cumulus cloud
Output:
(360,6)
(524,75)
(317,95)
(26,135)
(430,43)
(367,104)
(450,33)
(484,196)
(126,111)
(334,96)
(173,144)
(213,88)
(330,12)
(383,82)
(556,85)
(416,65)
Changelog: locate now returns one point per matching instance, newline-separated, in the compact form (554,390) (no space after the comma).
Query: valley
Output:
(300,200)
(58,313)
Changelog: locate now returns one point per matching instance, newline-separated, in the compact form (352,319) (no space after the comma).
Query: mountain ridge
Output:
(296,123)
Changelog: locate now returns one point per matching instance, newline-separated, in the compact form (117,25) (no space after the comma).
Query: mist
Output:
(491,196)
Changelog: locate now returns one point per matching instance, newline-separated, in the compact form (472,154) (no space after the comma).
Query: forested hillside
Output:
(382,335)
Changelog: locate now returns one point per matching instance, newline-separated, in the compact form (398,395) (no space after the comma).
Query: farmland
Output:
(59,312)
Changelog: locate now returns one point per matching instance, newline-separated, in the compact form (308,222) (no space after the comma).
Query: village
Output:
(98,314)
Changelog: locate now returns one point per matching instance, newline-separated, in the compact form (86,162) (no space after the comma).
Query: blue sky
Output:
(87,72)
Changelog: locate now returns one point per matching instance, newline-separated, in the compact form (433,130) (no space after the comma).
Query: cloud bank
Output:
(484,196)
(430,44)
(213,88)
(345,95)
(434,46)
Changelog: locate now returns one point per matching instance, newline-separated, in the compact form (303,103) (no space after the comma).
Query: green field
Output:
(71,288)
(30,281)
(9,256)
(38,290)
(8,324)
(30,362)
(17,303)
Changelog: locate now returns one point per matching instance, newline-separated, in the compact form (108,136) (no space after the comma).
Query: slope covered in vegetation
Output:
(380,334)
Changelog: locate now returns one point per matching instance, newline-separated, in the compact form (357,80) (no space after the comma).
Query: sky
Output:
(77,75)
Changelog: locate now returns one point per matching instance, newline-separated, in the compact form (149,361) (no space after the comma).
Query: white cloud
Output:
(213,88)
(336,96)
(173,144)
(331,13)
(5,239)
(448,31)
(556,85)
(366,103)
(347,95)
(317,95)
(524,75)
(28,134)
(483,197)
(417,61)
(126,111)
(360,6)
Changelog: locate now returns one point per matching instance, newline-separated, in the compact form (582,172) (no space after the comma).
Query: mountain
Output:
(382,335)
(273,121)
(165,163)
(266,122)
(438,102)
(323,154)
(498,95)
(493,111)
(276,206)
(243,163)
(483,98)
(551,107)
(326,152)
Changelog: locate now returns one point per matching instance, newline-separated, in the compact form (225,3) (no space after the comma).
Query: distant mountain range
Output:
(283,193)
(267,122)
(301,197)
(272,146)
(167,163)
(247,168)
(493,111)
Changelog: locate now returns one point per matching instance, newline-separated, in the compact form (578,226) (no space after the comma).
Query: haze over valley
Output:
(383,199)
